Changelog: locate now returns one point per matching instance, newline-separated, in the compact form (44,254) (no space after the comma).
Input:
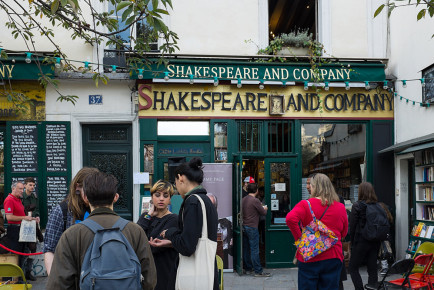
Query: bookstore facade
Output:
(278,132)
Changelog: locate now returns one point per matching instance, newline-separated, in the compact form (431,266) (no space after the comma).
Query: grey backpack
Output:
(110,262)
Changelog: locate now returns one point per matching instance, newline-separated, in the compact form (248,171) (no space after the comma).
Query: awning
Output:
(418,147)
(403,146)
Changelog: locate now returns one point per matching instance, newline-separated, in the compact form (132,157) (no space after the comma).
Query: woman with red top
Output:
(322,271)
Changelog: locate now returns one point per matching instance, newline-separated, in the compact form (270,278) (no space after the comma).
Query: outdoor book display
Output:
(423,226)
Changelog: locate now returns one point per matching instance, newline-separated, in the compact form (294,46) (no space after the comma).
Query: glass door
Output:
(280,197)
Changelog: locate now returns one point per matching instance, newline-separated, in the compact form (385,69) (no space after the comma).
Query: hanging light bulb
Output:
(347,85)
(140,75)
(86,65)
(261,85)
(191,79)
(284,84)
(113,69)
(385,86)
(326,86)
(216,81)
(306,86)
(239,84)
(58,64)
(404,83)
(166,76)
(367,86)
(422,81)
(28,57)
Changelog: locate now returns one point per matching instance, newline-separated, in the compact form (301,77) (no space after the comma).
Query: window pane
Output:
(220,142)
(279,134)
(183,128)
(280,192)
(338,151)
(249,134)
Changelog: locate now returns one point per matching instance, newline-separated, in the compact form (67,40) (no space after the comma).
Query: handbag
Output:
(197,271)
(28,231)
(316,238)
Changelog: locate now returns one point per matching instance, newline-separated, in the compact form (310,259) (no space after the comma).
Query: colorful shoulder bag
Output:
(316,238)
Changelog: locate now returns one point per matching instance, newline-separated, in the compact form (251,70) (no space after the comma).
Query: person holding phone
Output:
(153,222)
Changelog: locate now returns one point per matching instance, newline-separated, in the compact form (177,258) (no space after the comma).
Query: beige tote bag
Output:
(197,271)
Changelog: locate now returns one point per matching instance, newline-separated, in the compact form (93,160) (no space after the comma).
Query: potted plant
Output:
(295,43)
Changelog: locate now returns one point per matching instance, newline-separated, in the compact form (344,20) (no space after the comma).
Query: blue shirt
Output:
(55,228)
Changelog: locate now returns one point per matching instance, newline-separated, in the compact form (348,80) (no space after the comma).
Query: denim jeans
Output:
(322,275)
(251,249)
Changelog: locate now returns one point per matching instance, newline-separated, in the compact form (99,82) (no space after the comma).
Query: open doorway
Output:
(254,168)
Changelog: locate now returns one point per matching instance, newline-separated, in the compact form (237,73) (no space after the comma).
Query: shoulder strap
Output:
(324,212)
(64,207)
(311,211)
(92,225)
(204,220)
(120,223)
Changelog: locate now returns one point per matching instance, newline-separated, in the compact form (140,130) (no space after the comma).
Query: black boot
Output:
(29,276)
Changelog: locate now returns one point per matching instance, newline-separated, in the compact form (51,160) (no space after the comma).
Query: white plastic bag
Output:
(28,231)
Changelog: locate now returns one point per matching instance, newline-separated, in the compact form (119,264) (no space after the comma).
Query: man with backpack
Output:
(104,251)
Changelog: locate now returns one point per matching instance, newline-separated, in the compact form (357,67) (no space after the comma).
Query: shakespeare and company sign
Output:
(225,101)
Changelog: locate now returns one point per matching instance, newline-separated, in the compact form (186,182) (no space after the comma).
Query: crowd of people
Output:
(160,237)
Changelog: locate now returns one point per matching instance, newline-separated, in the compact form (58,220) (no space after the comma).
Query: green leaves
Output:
(379,9)
(123,4)
(421,14)
(68,98)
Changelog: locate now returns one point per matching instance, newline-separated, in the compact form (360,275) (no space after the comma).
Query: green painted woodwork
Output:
(20,70)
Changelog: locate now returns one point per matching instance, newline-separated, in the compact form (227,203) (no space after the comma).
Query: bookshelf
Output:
(423,225)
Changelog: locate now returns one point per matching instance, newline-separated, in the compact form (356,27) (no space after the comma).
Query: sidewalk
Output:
(285,278)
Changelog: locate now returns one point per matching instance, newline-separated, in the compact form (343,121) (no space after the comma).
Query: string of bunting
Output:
(114,68)
(411,102)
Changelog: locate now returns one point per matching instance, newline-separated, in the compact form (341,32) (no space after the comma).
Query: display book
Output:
(423,224)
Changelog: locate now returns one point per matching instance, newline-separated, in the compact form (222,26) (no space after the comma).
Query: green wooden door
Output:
(280,197)
(237,214)
(109,148)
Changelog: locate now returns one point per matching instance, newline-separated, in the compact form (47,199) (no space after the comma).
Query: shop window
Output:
(428,89)
(286,16)
(249,136)
(115,54)
(279,191)
(337,150)
(221,142)
(279,136)
(183,128)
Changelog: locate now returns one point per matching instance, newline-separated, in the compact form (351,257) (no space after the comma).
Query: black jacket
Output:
(185,239)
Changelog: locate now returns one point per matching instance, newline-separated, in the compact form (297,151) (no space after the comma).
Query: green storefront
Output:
(274,124)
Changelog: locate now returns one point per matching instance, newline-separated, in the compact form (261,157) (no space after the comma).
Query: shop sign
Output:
(295,72)
(250,101)
(17,69)
(34,107)
(179,151)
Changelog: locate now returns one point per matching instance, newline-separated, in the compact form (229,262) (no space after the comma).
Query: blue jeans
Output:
(321,275)
(251,249)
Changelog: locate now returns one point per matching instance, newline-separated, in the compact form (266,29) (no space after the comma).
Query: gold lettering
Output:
(206,71)
(255,73)
(221,71)
(197,71)
(246,71)
(230,71)
(238,74)
(294,72)
(323,73)
(267,75)
(179,70)
(331,75)
(276,73)
(189,71)
(214,71)
(339,74)
(2,71)
(284,73)
(347,71)
(170,69)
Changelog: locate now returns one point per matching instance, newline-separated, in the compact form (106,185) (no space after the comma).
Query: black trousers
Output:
(364,252)
(12,242)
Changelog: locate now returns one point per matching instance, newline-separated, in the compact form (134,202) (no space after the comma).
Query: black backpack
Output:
(377,225)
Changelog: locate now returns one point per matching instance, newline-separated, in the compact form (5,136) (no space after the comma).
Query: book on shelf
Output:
(413,245)
(426,192)
(423,231)
(418,229)
(429,232)
(427,156)
(428,174)
(413,231)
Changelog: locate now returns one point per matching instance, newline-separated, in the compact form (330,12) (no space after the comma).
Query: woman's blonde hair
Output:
(323,188)
(75,203)
(162,186)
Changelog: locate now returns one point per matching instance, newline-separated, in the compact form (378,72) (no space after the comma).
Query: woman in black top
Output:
(153,222)
(188,177)
(362,249)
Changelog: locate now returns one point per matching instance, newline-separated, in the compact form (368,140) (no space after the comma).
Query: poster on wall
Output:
(218,181)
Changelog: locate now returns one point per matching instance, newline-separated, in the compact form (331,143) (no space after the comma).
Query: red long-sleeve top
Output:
(335,219)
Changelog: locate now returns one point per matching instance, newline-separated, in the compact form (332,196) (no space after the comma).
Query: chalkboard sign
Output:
(56,146)
(428,91)
(57,189)
(24,148)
